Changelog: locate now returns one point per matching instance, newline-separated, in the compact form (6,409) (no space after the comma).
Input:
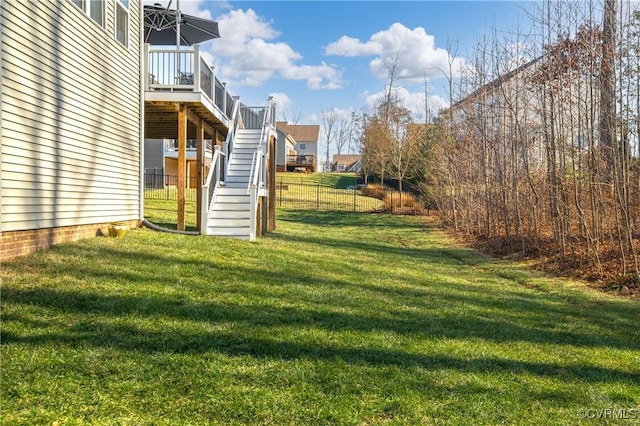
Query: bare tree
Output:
(329,119)
(291,116)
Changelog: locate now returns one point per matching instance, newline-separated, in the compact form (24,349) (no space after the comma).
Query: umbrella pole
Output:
(178,24)
(178,19)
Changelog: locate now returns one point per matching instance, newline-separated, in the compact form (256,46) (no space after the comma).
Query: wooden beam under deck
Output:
(161,117)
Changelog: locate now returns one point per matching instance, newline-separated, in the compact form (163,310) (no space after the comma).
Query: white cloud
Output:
(413,101)
(318,76)
(348,46)
(249,56)
(282,100)
(413,51)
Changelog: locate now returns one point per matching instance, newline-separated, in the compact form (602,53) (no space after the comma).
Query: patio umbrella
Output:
(165,26)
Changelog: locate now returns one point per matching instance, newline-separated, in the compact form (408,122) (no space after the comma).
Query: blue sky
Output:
(319,55)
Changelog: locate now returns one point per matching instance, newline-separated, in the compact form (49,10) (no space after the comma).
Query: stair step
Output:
(225,190)
(237,185)
(241,158)
(230,223)
(229,232)
(246,168)
(229,214)
(237,179)
(240,169)
(230,207)
(235,199)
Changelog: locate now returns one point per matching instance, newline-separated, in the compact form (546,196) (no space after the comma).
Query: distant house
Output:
(305,157)
(346,163)
(70,123)
(285,147)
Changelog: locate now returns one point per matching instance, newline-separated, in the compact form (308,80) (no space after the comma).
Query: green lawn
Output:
(334,180)
(164,213)
(348,319)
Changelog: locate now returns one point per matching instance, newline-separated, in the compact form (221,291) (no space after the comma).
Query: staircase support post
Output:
(253,192)
(199,175)
(182,162)
(271,182)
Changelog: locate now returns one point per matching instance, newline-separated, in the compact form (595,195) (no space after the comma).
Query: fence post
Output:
(354,199)
(318,197)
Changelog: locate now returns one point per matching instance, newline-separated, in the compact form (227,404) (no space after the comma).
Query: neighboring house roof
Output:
(288,137)
(347,160)
(300,132)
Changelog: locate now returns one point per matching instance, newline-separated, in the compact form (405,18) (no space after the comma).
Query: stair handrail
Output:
(258,170)
(236,121)
(266,124)
(218,167)
(208,194)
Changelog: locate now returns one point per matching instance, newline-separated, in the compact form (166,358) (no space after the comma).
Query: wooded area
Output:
(539,151)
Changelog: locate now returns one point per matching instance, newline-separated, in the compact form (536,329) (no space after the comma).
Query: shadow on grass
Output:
(342,218)
(138,339)
(518,319)
(271,297)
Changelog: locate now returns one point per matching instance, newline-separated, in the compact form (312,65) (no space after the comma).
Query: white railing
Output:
(253,191)
(218,169)
(215,176)
(184,70)
(258,175)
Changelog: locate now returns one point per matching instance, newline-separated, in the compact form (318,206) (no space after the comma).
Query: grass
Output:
(326,198)
(164,213)
(334,180)
(349,319)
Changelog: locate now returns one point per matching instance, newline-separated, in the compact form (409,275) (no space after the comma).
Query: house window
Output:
(122,22)
(341,167)
(93,8)
(303,146)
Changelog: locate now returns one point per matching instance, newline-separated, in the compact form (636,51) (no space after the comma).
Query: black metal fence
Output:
(165,187)
(302,196)
(350,199)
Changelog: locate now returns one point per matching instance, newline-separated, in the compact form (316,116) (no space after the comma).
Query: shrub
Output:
(393,199)
(373,190)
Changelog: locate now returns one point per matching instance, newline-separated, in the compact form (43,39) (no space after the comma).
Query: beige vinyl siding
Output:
(70,117)
(281,148)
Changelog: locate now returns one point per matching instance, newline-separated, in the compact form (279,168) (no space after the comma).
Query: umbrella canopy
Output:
(160,27)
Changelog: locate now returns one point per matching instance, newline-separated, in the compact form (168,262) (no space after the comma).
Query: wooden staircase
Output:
(230,213)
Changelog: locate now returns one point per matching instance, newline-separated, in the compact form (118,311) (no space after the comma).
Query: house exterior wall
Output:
(281,149)
(70,121)
(310,148)
(153,154)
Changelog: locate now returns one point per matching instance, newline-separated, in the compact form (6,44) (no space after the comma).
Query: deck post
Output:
(182,162)
(199,173)
(196,68)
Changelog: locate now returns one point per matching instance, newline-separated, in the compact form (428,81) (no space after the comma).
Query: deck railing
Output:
(185,70)
(301,160)
(171,145)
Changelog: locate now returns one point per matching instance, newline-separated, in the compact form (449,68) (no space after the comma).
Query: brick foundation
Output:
(20,243)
